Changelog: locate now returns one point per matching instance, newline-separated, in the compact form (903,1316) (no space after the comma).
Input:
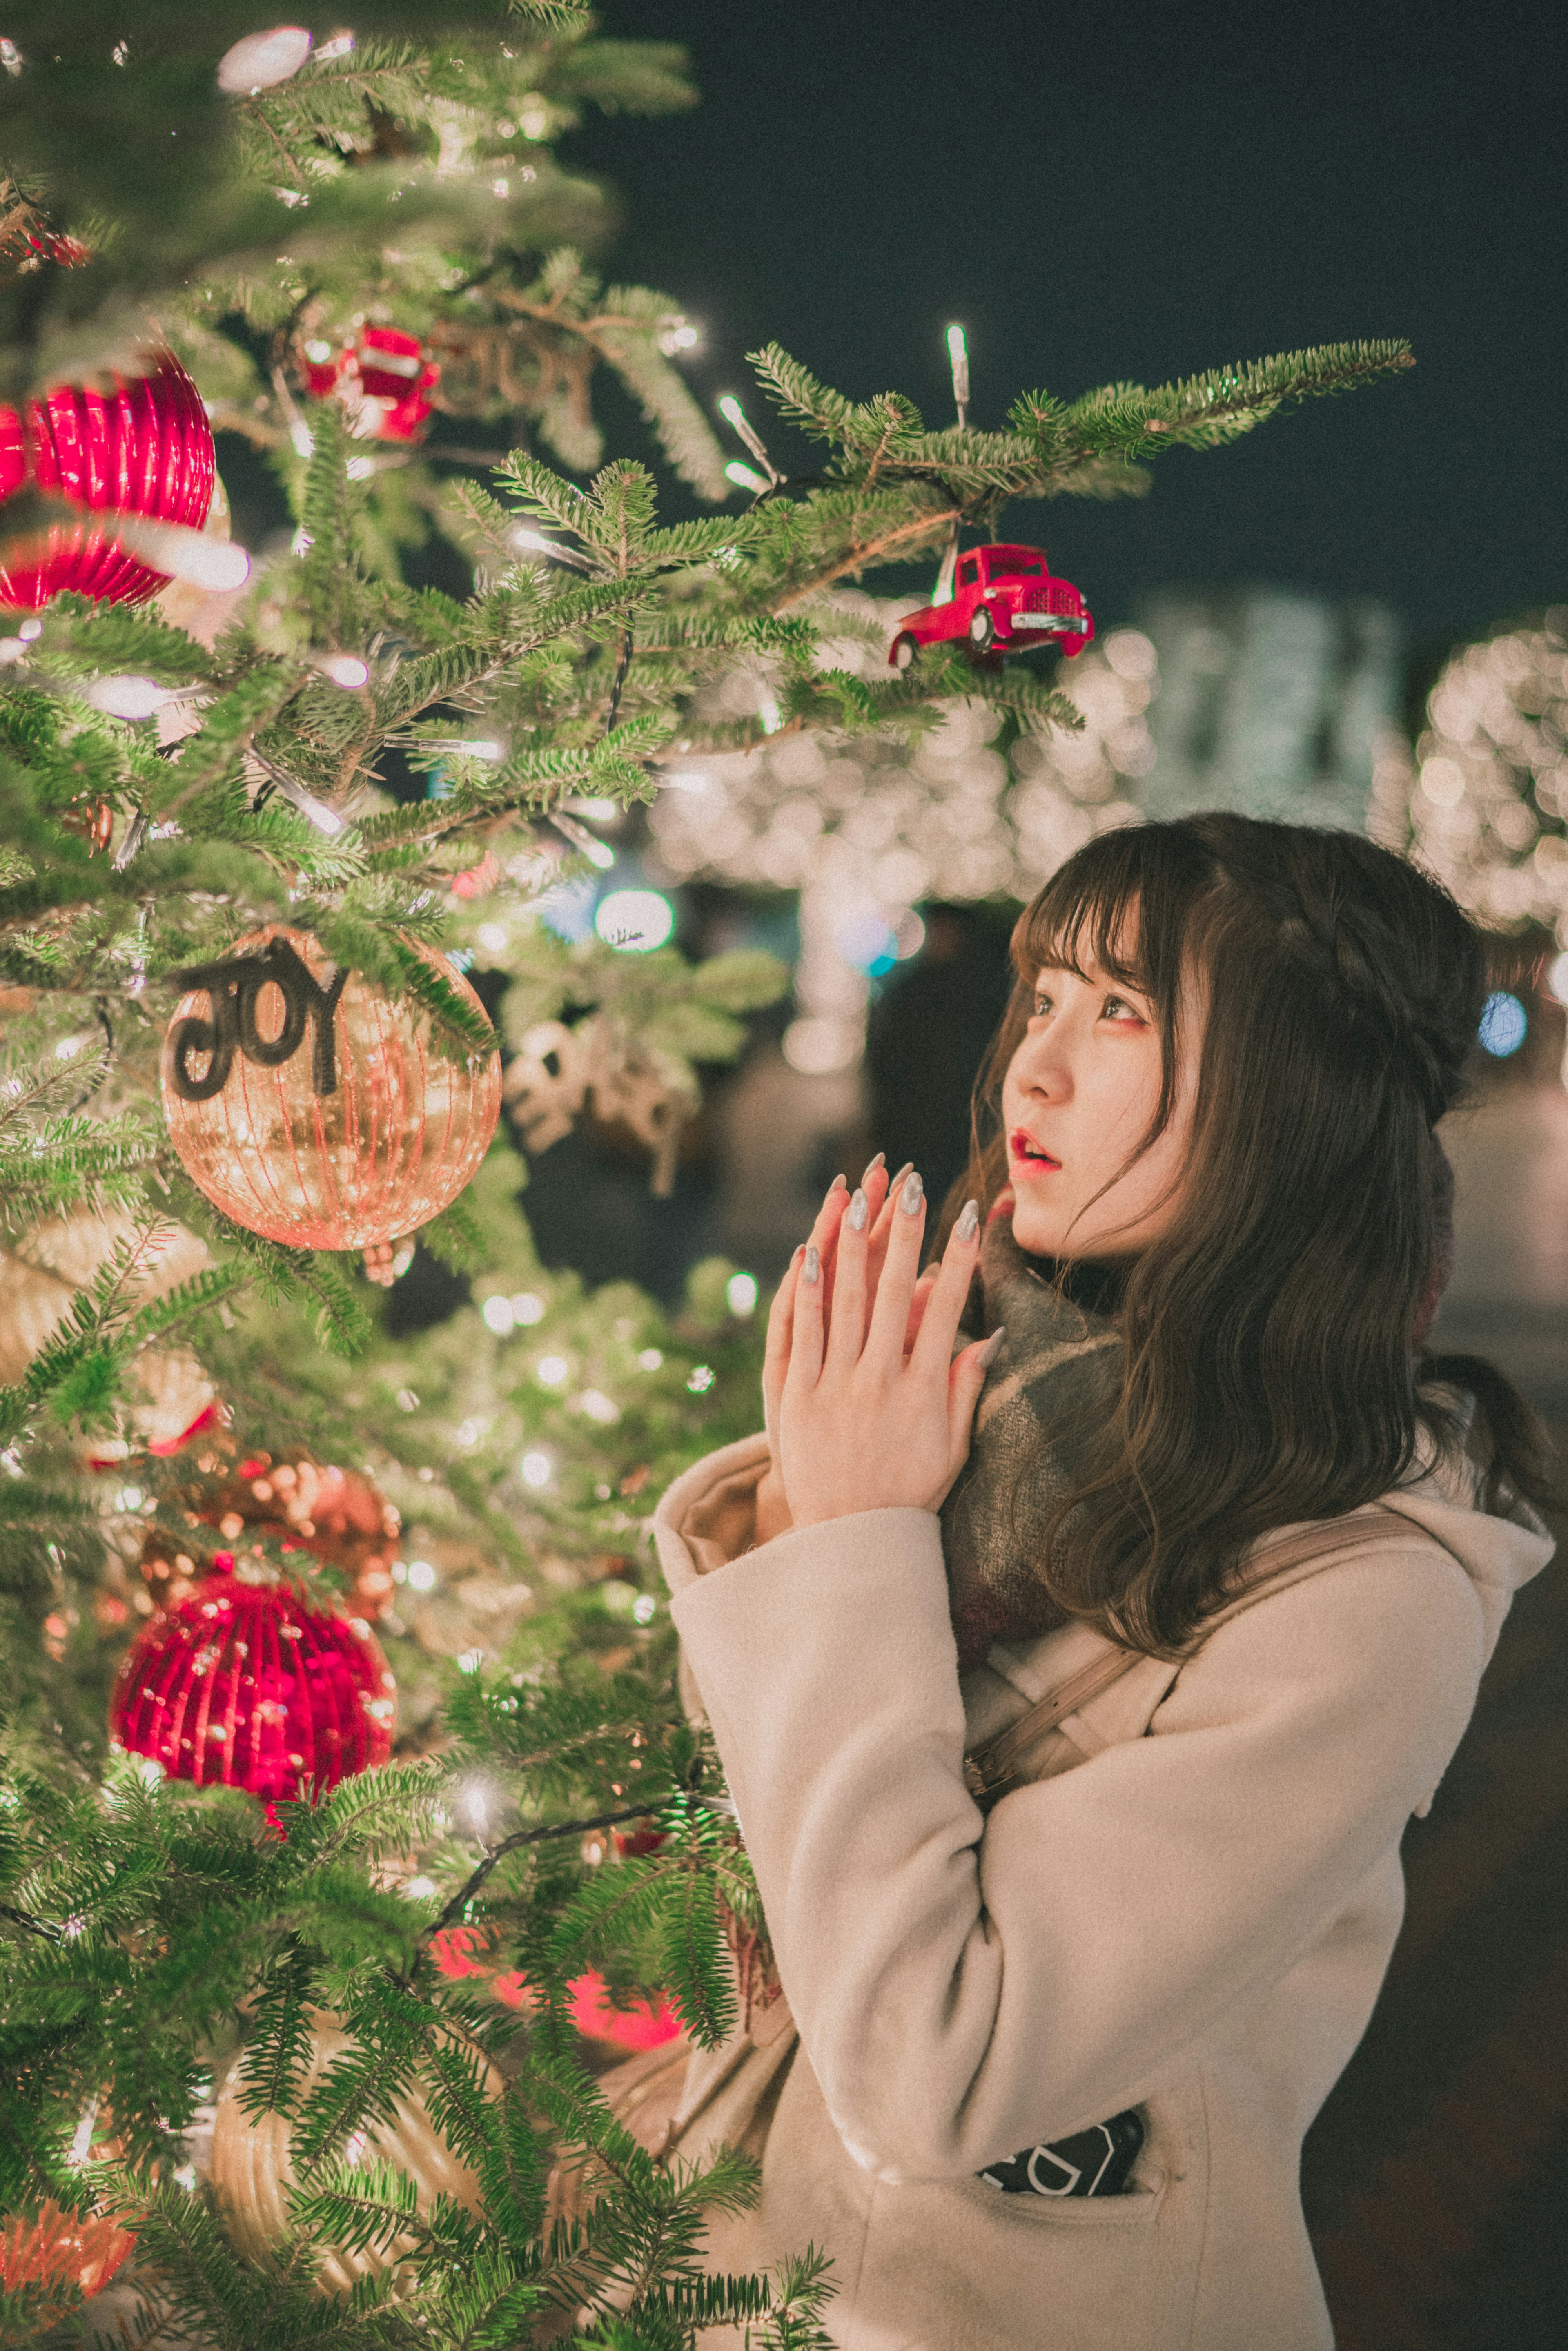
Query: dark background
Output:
(1140,193)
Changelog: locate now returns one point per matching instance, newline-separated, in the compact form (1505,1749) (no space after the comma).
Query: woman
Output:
(1139,1956)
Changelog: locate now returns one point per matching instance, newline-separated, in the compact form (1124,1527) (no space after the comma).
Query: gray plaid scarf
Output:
(1047,1398)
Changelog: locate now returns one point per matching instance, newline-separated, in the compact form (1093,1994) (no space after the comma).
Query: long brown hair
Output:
(1272,1372)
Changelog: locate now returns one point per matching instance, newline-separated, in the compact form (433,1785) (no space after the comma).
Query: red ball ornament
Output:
(311,1108)
(245,1686)
(145,448)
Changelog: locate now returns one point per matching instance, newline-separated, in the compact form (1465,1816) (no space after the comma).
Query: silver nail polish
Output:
(859,1209)
(838,1184)
(906,1169)
(992,1349)
(914,1190)
(873,1164)
(968,1222)
(811,1269)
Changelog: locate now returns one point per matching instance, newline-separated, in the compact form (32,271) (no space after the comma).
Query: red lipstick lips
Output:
(1027,1157)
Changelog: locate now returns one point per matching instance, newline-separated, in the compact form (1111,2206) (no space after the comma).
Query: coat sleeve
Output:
(964,1986)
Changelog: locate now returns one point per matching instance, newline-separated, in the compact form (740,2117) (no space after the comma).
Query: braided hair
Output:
(1275,1363)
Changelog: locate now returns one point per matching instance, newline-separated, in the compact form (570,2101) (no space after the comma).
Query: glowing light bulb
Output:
(347,670)
(958,359)
(192,556)
(128,697)
(263,59)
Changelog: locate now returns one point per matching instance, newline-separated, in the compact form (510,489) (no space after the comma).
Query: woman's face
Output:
(1080,1095)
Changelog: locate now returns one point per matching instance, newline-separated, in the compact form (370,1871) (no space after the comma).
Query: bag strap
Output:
(990,1771)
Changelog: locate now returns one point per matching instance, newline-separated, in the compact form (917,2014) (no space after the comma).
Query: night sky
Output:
(1140,192)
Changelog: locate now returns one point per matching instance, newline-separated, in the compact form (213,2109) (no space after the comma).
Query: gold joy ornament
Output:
(309,1106)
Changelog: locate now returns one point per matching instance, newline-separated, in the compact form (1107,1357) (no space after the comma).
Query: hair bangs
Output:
(1121,903)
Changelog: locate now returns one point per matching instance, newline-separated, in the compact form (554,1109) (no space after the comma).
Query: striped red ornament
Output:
(144,447)
(247,1686)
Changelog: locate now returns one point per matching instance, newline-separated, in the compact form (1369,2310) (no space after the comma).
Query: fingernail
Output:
(859,1209)
(813,1265)
(838,1184)
(968,1222)
(902,1172)
(992,1350)
(799,1253)
(914,1190)
(873,1164)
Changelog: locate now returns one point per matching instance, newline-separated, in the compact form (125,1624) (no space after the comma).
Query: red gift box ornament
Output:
(247,1686)
(384,380)
(143,448)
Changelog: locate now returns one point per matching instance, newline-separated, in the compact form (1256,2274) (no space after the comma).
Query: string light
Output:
(262,60)
(534,542)
(959,359)
(128,697)
(734,415)
(1485,806)
(597,852)
(192,556)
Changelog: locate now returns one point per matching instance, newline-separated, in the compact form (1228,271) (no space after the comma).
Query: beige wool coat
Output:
(1189,1911)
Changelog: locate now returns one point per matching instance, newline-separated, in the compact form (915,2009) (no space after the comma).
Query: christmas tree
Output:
(399,1761)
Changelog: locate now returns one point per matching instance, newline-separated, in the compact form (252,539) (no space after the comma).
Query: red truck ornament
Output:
(1005,601)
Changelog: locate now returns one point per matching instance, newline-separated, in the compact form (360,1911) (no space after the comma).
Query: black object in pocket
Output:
(1093,2162)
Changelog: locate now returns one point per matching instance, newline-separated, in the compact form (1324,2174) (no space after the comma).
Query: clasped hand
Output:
(868,1407)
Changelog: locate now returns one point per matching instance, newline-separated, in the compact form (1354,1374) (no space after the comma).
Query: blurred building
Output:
(1272,702)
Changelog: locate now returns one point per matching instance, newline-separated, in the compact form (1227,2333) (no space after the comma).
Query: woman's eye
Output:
(1042,1007)
(1116,1007)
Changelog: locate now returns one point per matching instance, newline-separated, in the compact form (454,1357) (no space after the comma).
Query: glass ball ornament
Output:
(253,2167)
(144,447)
(247,1686)
(312,1109)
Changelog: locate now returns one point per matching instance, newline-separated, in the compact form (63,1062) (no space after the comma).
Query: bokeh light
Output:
(634,920)
(1504,1025)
